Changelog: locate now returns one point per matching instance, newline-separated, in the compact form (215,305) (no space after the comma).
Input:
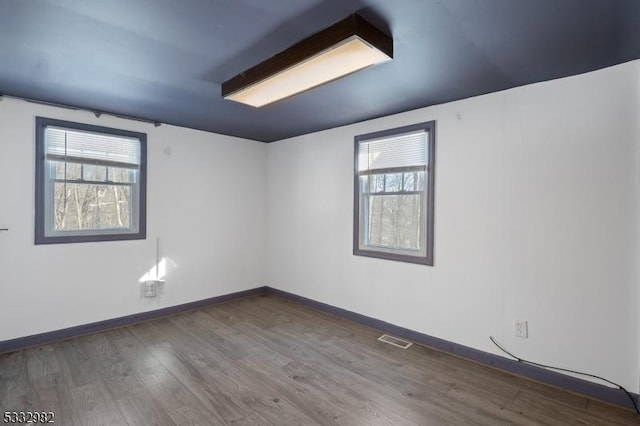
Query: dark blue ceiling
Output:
(165,60)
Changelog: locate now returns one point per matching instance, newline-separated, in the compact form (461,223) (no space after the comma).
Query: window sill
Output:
(421,260)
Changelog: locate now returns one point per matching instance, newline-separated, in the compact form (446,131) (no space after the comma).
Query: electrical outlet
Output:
(520,328)
(149,289)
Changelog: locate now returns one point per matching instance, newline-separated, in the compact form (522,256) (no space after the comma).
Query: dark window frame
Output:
(40,191)
(428,258)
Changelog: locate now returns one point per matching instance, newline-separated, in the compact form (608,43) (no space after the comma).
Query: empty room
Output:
(319,212)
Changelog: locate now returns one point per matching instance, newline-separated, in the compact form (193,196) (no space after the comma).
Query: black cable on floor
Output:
(524,361)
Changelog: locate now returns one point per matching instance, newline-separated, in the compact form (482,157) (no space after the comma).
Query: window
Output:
(90,183)
(393,200)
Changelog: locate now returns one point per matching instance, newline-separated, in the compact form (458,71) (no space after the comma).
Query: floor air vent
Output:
(395,341)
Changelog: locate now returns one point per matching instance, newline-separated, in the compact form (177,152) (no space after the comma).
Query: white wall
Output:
(536,218)
(206,202)
(637,233)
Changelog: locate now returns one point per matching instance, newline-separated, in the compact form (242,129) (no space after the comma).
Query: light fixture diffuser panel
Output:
(341,60)
(342,49)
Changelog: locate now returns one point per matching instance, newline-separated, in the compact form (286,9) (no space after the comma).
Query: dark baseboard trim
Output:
(94,327)
(590,389)
(573,384)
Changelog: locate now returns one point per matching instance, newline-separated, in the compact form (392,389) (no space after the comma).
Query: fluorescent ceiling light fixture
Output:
(348,46)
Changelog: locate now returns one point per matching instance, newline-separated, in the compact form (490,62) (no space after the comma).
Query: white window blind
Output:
(408,150)
(87,147)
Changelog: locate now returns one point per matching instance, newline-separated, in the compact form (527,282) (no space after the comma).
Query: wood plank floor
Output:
(269,361)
